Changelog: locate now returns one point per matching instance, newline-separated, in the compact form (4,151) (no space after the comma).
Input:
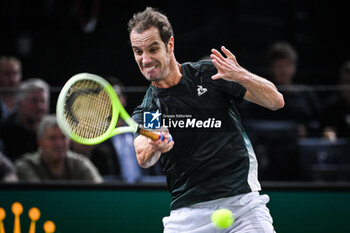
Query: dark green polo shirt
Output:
(212,157)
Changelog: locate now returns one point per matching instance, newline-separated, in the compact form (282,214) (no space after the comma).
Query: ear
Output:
(171,44)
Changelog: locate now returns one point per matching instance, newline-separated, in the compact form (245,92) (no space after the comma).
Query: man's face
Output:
(283,71)
(151,54)
(10,74)
(34,106)
(54,144)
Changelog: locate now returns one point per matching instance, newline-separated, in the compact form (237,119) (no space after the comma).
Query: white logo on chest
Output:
(201,90)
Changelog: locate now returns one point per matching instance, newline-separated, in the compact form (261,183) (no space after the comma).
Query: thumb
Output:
(217,76)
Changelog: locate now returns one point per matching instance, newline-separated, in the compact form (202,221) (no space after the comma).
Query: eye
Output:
(153,50)
(138,52)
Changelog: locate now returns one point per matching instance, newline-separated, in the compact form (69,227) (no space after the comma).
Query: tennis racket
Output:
(88,109)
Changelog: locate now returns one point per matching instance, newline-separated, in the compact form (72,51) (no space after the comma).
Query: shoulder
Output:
(28,163)
(148,104)
(73,157)
(29,158)
(198,68)
(199,65)
(148,98)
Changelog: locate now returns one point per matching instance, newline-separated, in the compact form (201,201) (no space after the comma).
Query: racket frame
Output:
(117,108)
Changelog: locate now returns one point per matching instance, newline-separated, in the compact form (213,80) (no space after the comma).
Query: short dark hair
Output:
(144,20)
(281,50)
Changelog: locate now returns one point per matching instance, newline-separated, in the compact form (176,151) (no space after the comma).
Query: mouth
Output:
(150,68)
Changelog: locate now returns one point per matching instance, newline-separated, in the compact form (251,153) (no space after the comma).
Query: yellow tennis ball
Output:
(222,218)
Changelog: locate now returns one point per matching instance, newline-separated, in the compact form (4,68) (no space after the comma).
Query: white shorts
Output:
(249,210)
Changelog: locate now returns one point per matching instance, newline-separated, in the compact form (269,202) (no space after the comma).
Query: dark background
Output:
(47,35)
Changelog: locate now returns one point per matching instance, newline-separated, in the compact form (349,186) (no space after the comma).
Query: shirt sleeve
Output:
(235,90)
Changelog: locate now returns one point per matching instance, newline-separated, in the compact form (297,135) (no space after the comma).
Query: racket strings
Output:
(88,109)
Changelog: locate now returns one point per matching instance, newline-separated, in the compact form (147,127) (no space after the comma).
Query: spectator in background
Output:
(82,149)
(10,77)
(299,118)
(302,107)
(116,157)
(54,160)
(7,170)
(18,131)
(335,117)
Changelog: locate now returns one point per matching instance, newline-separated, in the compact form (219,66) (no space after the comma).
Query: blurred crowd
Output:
(34,149)
(306,140)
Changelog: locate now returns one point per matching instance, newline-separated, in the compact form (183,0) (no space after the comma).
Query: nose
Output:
(146,59)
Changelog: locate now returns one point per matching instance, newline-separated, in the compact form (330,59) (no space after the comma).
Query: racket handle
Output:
(154,136)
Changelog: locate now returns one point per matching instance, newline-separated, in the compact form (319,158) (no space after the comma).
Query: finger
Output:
(165,134)
(171,144)
(165,137)
(217,54)
(215,77)
(221,65)
(164,129)
(170,138)
(162,146)
(229,54)
(217,63)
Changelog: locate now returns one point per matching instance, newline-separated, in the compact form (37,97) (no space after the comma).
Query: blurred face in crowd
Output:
(283,71)
(53,144)
(34,106)
(10,74)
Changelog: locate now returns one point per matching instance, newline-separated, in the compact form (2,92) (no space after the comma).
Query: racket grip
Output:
(152,135)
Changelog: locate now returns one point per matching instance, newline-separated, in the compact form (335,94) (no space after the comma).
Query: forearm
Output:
(146,154)
(261,91)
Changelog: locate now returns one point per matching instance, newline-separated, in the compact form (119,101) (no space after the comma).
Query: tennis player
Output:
(210,163)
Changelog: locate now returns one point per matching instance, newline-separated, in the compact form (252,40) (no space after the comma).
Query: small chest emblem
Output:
(201,90)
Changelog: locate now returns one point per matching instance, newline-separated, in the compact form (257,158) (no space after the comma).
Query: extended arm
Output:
(259,90)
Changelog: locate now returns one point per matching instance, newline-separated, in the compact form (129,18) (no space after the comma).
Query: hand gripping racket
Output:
(88,109)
